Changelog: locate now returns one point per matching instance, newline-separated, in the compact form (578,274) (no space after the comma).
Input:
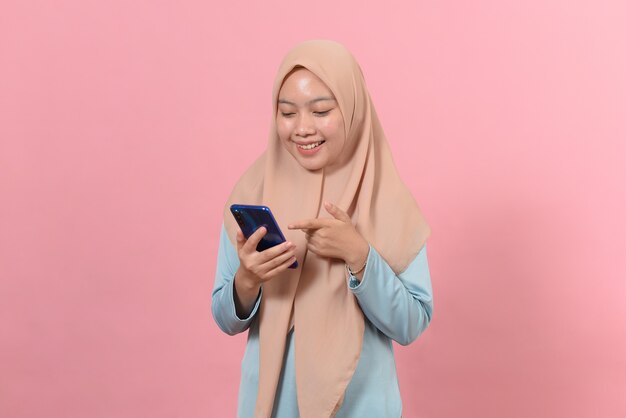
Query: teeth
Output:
(311,146)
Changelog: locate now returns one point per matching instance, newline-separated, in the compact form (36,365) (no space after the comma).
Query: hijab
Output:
(315,299)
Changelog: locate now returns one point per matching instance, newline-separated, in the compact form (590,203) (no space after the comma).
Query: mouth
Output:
(310,146)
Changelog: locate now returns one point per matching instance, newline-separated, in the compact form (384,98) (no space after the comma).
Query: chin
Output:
(311,165)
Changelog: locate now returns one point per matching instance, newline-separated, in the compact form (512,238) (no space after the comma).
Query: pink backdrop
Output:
(124,125)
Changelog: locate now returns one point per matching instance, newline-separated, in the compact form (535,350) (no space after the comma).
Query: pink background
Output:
(124,125)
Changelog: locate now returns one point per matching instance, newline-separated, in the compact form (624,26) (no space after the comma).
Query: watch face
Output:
(354,282)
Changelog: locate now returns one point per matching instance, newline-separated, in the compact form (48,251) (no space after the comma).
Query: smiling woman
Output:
(309,122)
(319,336)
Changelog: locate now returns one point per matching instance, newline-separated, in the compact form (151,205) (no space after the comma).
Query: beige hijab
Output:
(315,298)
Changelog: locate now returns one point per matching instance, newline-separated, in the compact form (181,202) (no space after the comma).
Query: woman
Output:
(319,340)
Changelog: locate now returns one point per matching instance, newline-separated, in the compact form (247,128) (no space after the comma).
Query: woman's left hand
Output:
(335,237)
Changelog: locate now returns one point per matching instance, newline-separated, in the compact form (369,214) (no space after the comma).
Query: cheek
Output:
(333,130)
(336,142)
(327,128)
(283,130)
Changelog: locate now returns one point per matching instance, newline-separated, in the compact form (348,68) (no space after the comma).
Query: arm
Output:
(400,306)
(223,297)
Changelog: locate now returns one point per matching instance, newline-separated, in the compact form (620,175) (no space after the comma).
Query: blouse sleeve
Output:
(223,296)
(400,306)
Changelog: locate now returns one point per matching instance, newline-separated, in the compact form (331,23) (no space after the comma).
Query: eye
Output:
(324,113)
(287,114)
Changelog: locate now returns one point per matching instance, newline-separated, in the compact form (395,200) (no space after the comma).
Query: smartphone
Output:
(251,217)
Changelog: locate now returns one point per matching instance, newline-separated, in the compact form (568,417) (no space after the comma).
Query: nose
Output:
(305,125)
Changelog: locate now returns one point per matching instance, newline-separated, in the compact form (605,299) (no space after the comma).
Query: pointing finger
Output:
(307,224)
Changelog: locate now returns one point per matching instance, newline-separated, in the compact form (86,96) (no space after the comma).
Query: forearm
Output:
(246,292)
(231,319)
(400,306)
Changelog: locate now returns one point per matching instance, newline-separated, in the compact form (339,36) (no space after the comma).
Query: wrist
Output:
(358,257)
(244,281)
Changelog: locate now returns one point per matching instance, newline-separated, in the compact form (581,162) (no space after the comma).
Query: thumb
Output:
(337,212)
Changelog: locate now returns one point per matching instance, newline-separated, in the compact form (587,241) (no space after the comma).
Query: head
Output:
(309,122)
(320,102)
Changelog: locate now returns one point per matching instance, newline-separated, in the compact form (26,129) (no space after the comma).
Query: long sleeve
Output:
(223,301)
(400,306)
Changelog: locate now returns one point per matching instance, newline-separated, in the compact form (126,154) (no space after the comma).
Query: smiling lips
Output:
(310,148)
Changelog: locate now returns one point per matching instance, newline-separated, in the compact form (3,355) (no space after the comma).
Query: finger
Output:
(318,247)
(337,212)
(255,238)
(276,250)
(284,266)
(312,247)
(278,260)
(308,224)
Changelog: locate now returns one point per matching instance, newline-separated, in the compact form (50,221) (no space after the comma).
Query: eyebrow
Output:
(317,99)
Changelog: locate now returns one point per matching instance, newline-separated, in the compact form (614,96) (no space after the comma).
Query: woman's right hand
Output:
(256,268)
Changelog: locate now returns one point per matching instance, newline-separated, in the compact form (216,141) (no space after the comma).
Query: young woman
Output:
(320,336)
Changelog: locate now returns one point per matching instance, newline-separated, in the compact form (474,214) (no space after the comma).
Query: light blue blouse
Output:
(396,307)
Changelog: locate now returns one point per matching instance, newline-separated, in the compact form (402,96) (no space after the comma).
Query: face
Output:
(309,123)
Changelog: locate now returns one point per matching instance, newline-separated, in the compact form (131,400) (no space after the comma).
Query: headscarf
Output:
(315,299)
